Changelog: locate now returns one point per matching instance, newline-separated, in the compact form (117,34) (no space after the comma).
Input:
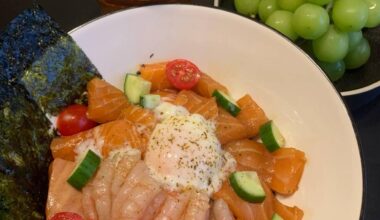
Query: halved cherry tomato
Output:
(66,216)
(182,74)
(73,120)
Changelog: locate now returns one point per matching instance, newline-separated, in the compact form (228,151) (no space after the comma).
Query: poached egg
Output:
(184,152)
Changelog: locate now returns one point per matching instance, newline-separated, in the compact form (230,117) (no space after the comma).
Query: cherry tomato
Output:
(66,216)
(182,74)
(73,120)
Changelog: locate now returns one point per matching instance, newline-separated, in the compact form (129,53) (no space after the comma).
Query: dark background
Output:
(71,13)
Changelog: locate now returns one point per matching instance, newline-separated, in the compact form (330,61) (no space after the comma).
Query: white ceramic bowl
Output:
(248,58)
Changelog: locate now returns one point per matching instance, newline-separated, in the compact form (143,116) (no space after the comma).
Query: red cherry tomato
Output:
(66,216)
(182,74)
(73,120)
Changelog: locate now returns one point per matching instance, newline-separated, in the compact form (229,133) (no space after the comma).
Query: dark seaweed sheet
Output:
(24,40)
(50,65)
(16,202)
(41,71)
(59,76)
(24,155)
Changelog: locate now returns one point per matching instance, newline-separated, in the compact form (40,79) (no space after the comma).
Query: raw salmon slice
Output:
(251,115)
(207,85)
(105,101)
(238,207)
(228,128)
(167,95)
(194,103)
(71,199)
(105,137)
(244,210)
(63,147)
(253,156)
(264,210)
(286,212)
(121,134)
(287,170)
(139,115)
(156,74)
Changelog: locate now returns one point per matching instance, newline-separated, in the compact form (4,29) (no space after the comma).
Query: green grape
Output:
(266,8)
(310,21)
(290,5)
(334,70)
(247,7)
(354,39)
(331,46)
(359,55)
(319,2)
(373,13)
(350,15)
(282,22)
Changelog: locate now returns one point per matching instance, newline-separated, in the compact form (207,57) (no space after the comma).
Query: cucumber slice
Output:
(247,186)
(85,169)
(150,101)
(135,87)
(276,217)
(271,136)
(226,102)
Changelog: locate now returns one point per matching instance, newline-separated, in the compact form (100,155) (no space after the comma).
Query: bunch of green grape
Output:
(332,29)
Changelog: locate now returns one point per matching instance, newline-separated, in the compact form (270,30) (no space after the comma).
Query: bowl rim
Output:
(339,94)
(362,90)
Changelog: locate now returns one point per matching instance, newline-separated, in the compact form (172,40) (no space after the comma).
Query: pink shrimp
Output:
(139,199)
(198,207)
(136,174)
(220,210)
(174,206)
(88,204)
(126,163)
(71,199)
(155,206)
(101,188)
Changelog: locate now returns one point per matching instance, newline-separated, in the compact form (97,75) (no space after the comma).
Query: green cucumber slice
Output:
(85,169)
(150,101)
(135,87)
(276,217)
(247,186)
(226,102)
(271,136)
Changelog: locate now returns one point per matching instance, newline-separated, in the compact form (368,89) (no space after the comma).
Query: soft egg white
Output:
(184,153)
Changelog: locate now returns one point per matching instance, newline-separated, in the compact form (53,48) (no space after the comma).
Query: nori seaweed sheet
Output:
(59,76)
(16,202)
(41,71)
(24,40)
(47,61)
(24,154)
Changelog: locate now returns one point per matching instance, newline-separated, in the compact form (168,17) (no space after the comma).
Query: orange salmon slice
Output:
(244,210)
(105,101)
(167,95)
(194,103)
(228,128)
(139,115)
(286,212)
(251,115)
(288,167)
(105,137)
(207,85)
(253,156)
(156,74)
